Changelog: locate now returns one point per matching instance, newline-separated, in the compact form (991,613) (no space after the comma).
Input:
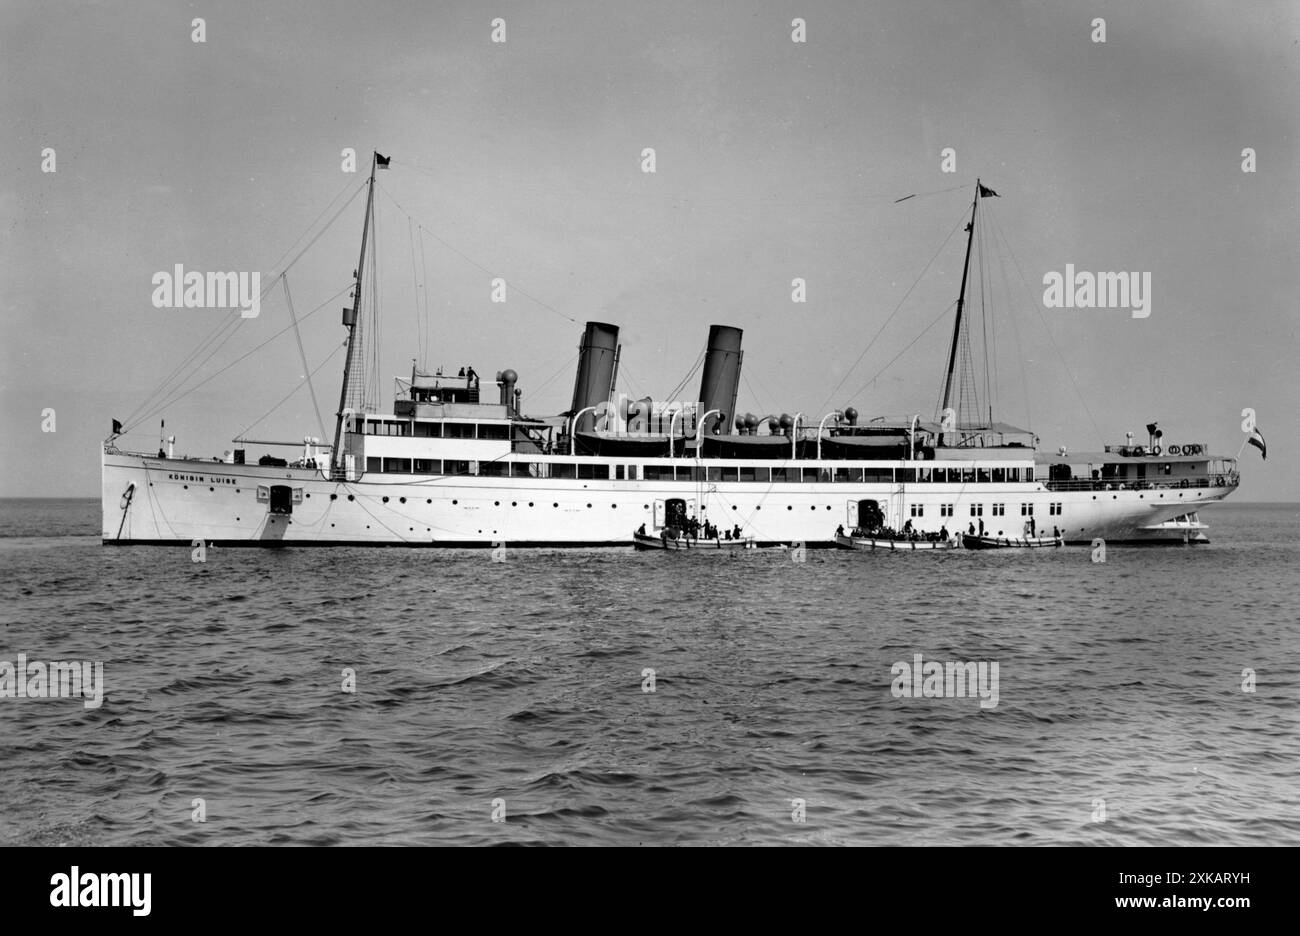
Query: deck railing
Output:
(1226,479)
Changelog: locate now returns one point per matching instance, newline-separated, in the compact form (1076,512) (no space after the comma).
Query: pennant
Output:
(117,427)
(1257,439)
(986,192)
(381,162)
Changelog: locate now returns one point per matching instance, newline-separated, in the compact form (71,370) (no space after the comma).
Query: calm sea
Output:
(518,690)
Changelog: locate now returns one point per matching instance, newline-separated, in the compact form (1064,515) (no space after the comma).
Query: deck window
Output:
(809,475)
(906,475)
(690,473)
(780,475)
(397,466)
(981,476)
(458,430)
(428,430)
(592,472)
(849,475)
(493,431)
(455,467)
(492,469)
(564,470)
(428,466)
(999,475)
(525,470)
(939,475)
(374,464)
(879,475)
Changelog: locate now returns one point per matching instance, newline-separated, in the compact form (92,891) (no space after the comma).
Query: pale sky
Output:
(774,159)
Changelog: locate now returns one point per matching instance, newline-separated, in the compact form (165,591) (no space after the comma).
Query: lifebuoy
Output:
(1155,450)
(1175,450)
(1192,449)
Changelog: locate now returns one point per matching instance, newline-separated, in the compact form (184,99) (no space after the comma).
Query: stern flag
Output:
(986,192)
(117,427)
(1257,439)
(382,162)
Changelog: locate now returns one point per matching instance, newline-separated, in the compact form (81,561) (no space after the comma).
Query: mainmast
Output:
(961,301)
(350,317)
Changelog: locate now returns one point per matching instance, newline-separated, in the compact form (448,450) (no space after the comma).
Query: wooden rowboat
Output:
(649,541)
(1006,542)
(897,545)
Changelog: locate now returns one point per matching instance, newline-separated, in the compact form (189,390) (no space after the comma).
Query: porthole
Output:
(400,500)
(350,497)
(530,503)
(385,498)
(496,503)
(334,497)
(455,502)
(588,506)
(514,503)
(211,489)
(555,505)
(789,507)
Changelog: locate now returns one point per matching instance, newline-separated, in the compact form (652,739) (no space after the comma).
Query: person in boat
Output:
(907,528)
(981,526)
(971,531)
(1056,533)
(735,532)
(943,532)
(641,530)
(1033,527)
(839,530)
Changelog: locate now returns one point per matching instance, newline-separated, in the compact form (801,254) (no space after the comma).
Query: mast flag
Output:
(986,192)
(381,162)
(1257,439)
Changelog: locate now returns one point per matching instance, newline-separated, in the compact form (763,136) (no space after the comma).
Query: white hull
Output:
(177,501)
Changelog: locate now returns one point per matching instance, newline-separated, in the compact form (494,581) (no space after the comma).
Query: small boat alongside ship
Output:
(892,543)
(969,541)
(673,540)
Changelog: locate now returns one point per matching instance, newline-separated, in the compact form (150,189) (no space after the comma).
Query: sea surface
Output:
(516,691)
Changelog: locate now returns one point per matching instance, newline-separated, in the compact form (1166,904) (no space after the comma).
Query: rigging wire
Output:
(346,186)
(178,396)
(306,380)
(1064,364)
(474,263)
(940,317)
(297,334)
(878,333)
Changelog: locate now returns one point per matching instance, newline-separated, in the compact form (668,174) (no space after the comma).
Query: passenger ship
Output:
(456,463)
